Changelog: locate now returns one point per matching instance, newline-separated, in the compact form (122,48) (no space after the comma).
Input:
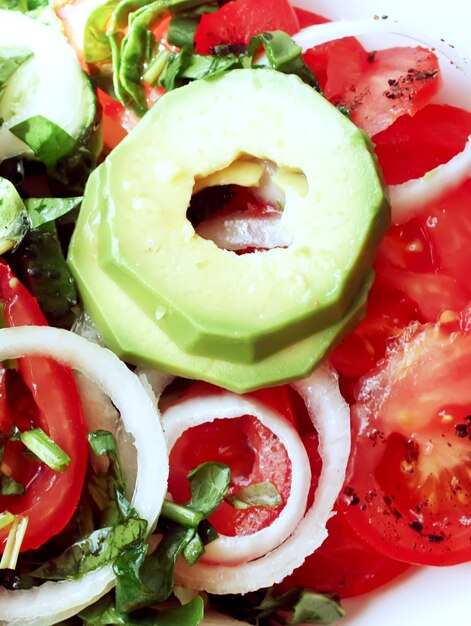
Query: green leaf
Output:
(10,487)
(100,548)
(193,550)
(10,60)
(284,55)
(153,581)
(47,140)
(315,608)
(209,484)
(130,590)
(181,514)
(182,29)
(44,210)
(263,494)
(96,45)
(14,219)
(104,612)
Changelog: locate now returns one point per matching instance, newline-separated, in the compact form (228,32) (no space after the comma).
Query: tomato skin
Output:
(408,487)
(344,565)
(238,21)
(51,498)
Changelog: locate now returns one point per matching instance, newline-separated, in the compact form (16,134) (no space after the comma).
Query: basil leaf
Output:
(47,140)
(284,55)
(44,210)
(209,483)
(104,612)
(182,29)
(134,52)
(10,60)
(153,580)
(100,548)
(263,494)
(193,550)
(14,219)
(315,608)
(96,45)
(10,487)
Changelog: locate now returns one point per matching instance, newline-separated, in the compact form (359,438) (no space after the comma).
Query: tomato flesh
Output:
(237,21)
(49,400)
(408,487)
(344,565)
(252,452)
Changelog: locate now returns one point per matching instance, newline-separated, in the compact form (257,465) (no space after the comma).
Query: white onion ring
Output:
(238,231)
(407,199)
(331,418)
(205,409)
(55,601)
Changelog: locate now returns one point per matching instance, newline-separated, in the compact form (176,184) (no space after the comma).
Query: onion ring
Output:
(203,409)
(331,418)
(55,601)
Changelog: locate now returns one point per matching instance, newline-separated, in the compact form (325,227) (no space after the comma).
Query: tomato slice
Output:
(237,21)
(408,486)
(378,87)
(344,565)
(413,146)
(54,405)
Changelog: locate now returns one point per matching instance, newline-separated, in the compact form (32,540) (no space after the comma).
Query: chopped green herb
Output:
(263,494)
(10,487)
(182,29)
(14,541)
(315,608)
(45,449)
(193,550)
(6,519)
(100,548)
(181,514)
(209,483)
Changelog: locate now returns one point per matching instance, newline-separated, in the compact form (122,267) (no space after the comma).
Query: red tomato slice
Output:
(413,146)
(396,81)
(51,497)
(337,65)
(239,20)
(306,18)
(408,486)
(344,565)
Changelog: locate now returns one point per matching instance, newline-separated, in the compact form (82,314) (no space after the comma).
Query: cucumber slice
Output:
(50,84)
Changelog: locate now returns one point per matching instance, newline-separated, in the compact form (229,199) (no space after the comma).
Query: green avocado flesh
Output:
(212,302)
(136,338)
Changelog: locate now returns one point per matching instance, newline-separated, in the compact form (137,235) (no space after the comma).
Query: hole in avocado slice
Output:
(240,207)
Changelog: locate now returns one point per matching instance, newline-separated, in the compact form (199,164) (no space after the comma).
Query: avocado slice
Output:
(211,302)
(136,338)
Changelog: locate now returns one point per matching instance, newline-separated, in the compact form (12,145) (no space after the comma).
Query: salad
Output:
(260,209)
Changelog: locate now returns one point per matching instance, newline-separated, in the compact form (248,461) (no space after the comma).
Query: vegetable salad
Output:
(235,313)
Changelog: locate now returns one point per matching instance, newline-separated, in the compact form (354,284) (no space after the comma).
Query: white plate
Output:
(422,596)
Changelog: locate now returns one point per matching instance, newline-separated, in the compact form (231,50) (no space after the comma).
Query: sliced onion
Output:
(331,418)
(55,601)
(240,230)
(205,409)
(410,197)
